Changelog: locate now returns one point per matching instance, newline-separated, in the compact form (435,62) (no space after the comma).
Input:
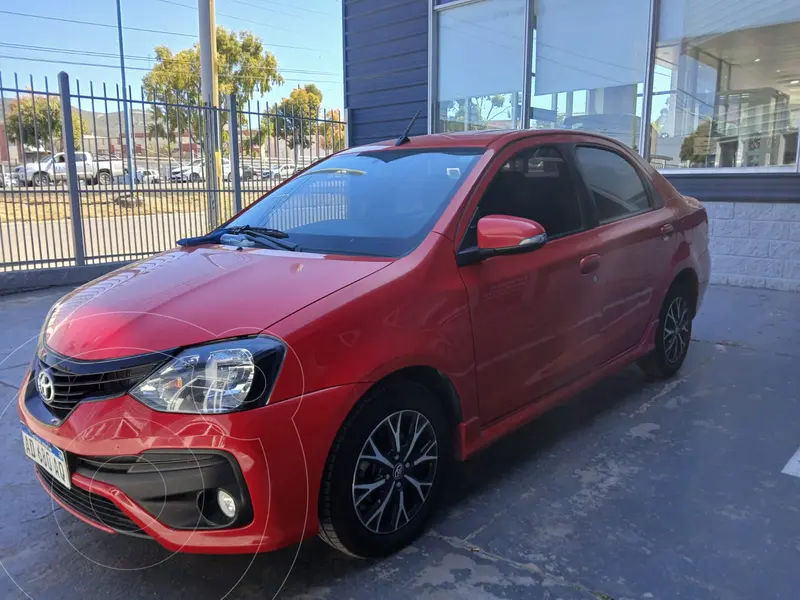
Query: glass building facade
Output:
(690,84)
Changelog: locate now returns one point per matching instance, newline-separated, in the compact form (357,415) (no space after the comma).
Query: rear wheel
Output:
(194,177)
(385,471)
(40,179)
(672,336)
(104,178)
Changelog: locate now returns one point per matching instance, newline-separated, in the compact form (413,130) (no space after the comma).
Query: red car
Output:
(314,365)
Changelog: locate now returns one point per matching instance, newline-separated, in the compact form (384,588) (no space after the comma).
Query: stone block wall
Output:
(755,244)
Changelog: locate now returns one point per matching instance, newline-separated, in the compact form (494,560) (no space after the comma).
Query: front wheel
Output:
(385,471)
(672,336)
(104,178)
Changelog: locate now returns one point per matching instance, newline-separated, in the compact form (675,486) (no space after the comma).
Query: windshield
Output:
(377,203)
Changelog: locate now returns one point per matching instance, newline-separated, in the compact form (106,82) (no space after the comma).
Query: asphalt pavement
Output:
(635,489)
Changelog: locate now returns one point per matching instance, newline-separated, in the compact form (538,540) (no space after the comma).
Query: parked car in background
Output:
(317,363)
(248,172)
(147,176)
(279,173)
(196,171)
(8,178)
(53,168)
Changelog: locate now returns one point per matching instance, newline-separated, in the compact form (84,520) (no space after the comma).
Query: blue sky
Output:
(305,36)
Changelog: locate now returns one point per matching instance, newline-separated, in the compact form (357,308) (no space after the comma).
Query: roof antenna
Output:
(404,139)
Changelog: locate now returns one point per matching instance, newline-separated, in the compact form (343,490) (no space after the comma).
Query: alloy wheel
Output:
(395,471)
(676,330)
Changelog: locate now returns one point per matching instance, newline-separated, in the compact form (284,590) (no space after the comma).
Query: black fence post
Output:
(72,171)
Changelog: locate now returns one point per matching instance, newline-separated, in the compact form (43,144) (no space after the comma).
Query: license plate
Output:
(43,453)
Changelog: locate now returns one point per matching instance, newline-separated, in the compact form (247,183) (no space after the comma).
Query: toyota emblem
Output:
(44,384)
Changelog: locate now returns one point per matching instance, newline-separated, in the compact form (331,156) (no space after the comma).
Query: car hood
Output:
(193,295)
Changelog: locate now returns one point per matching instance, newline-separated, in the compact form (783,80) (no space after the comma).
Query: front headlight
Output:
(215,378)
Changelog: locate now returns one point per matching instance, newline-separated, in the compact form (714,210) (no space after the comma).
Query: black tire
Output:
(194,177)
(670,351)
(40,179)
(104,178)
(341,523)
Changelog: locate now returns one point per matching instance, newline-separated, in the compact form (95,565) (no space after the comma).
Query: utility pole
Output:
(209,91)
(131,173)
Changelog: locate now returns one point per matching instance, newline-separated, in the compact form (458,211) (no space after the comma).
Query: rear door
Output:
(534,316)
(636,242)
(82,166)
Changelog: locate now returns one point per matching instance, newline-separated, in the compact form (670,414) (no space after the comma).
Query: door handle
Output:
(666,231)
(590,263)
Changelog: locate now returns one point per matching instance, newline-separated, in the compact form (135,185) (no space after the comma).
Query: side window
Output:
(534,184)
(616,187)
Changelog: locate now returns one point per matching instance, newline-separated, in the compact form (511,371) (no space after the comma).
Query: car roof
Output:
(483,138)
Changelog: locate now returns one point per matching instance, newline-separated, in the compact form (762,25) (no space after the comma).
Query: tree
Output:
(36,121)
(296,116)
(332,130)
(480,110)
(697,146)
(243,66)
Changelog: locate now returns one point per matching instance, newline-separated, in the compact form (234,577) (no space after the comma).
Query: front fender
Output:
(413,312)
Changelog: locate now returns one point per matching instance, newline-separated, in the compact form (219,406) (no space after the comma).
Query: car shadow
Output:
(522,448)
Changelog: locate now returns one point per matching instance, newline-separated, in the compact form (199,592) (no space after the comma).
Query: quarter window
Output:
(616,187)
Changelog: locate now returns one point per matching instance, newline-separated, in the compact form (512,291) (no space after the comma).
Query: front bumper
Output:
(278,450)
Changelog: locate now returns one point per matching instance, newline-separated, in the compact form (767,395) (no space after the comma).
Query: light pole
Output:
(210,96)
(125,98)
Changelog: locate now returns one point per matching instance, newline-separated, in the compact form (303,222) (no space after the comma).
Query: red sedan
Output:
(314,365)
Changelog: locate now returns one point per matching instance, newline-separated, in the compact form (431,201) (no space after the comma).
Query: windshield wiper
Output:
(269,231)
(266,240)
(272,238)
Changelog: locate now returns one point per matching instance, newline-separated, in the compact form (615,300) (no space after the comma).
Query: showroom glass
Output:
(376,203)
(726,84)
(616,187)
(588,62)
(480,65)
(534,184)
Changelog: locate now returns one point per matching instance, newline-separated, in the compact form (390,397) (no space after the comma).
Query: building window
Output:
(726,84)
(481,53)
(588,61)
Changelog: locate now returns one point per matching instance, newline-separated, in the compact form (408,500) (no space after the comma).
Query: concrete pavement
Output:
(635,489)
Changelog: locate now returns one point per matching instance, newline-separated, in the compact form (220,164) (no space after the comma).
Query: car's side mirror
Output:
(499,235)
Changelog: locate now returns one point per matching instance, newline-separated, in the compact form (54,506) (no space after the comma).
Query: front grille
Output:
(93,507)
(92,380)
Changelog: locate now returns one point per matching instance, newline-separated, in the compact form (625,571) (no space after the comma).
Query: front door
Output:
(535,315)
(59,167)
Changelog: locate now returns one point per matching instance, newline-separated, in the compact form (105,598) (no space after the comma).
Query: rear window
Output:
(376,203)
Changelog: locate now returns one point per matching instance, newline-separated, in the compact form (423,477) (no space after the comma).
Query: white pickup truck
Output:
(54,168)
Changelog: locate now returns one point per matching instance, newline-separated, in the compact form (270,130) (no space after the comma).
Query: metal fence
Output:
(68,197)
